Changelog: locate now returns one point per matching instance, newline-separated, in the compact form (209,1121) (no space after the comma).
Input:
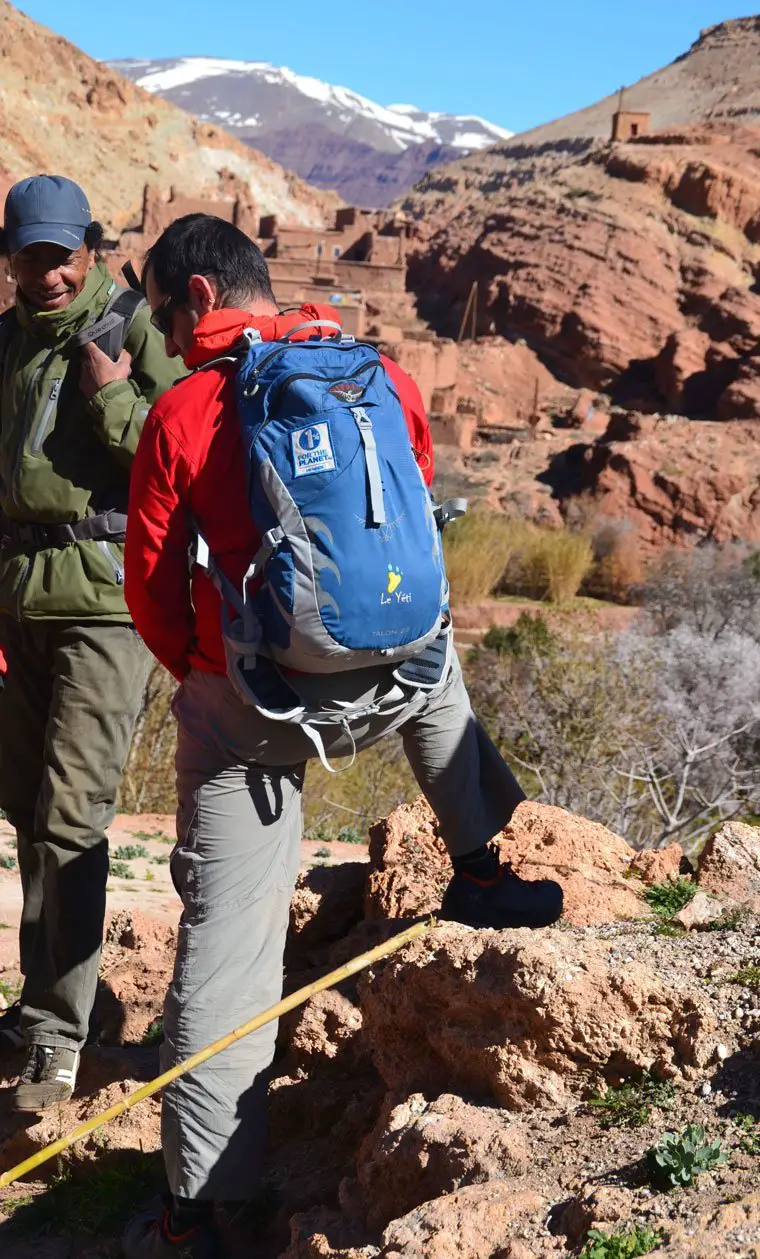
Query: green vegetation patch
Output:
(120,870)
(679,1157)
(155,1033)
(749,1126)
(667,898)
(86,1199)
(131,852)
(747,977)
(8,861)
(630,1105)
(627,1243)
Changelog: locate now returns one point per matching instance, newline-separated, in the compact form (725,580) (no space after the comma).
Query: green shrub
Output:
(680,1156)
(750,1142)
(728,921)
(130,852)
(747,977)
(530,635)
(8,861)
(120,870)
(478,549)
(624,1244)
(629,1105)
(10,990)
(323,852)
(155,1033)
(666,899)
(162,860)
(350,835)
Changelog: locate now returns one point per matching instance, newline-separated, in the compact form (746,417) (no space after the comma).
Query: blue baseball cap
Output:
(46,208)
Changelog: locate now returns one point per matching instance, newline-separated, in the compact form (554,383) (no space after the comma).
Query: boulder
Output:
(700,913)
(590,861)
(478,1222)
(410,866)
(327,902)
(732,1229)
(420,1150)
(136,968)
(526,1018)
(655,865)
(327,1027)
(729,864)
(606,1205)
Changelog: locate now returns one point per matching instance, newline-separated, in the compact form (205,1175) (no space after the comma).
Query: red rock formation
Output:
(629,267)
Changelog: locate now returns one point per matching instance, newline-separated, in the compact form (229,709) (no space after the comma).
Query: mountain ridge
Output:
(365,151)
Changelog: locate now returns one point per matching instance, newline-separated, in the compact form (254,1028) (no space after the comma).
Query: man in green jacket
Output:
(80,366)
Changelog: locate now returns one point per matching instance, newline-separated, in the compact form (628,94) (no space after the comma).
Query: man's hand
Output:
(99,370)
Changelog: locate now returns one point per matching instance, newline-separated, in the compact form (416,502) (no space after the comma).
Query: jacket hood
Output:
(219,330)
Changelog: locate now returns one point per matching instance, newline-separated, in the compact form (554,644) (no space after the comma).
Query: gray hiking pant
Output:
(67,712)
(239,779)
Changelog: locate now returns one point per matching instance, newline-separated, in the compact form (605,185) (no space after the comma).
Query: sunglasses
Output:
(162,316)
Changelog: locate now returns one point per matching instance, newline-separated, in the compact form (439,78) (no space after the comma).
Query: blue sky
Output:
(516,64)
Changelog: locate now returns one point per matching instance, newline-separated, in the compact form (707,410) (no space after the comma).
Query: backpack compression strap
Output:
(110,331)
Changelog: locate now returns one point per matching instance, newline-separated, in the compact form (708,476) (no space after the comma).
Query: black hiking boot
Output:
(504,901)
(149,1236)
(11,1037)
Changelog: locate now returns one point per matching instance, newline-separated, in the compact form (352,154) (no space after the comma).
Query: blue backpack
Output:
(351,562)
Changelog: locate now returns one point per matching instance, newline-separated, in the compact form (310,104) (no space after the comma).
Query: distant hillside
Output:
(717,79)
(62,112)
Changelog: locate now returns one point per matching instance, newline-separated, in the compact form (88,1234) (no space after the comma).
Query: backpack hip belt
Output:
(107,526)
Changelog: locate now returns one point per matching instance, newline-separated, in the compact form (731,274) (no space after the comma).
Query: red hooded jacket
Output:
(189,470)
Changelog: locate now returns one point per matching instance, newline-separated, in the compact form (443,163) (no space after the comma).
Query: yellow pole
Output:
(267,1016)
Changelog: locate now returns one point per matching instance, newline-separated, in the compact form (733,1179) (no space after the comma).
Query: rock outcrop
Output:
(729,864)
(526,1020)
(629,268)
(410,867)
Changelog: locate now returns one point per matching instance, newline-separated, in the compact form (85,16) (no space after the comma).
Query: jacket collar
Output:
(54,326)
(218,331)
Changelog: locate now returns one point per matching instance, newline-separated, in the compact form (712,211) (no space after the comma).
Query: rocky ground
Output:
(486,1095)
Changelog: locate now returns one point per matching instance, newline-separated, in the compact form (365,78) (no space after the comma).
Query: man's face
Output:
(178,318)
(50,276)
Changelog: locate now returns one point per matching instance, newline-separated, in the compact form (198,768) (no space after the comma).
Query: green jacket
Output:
(63,458)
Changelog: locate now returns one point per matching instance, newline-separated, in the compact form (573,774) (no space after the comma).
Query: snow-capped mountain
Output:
(331,136)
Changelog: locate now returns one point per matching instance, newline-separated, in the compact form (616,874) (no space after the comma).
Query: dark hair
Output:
(202,244)
(94,235)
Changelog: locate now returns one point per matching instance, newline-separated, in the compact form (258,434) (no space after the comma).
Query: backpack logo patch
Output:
(312,450)
(349,391)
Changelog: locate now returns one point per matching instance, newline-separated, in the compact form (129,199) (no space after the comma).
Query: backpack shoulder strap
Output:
(8,325)
(109,332)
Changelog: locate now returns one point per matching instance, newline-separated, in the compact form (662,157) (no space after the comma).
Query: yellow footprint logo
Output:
(394,579)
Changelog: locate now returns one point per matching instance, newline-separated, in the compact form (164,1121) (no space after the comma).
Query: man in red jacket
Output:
(240,774)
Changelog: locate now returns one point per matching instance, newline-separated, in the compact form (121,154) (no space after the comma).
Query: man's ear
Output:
(202,294)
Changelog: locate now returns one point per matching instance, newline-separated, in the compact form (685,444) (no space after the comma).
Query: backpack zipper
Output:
(253,381)
(118,571)
(16,477)
(21,587)
(41,428)
(283,384)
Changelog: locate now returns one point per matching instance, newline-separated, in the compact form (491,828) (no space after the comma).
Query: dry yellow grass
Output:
(478,550)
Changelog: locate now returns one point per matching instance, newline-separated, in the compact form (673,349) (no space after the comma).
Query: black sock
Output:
(480,863)
(187,1213)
